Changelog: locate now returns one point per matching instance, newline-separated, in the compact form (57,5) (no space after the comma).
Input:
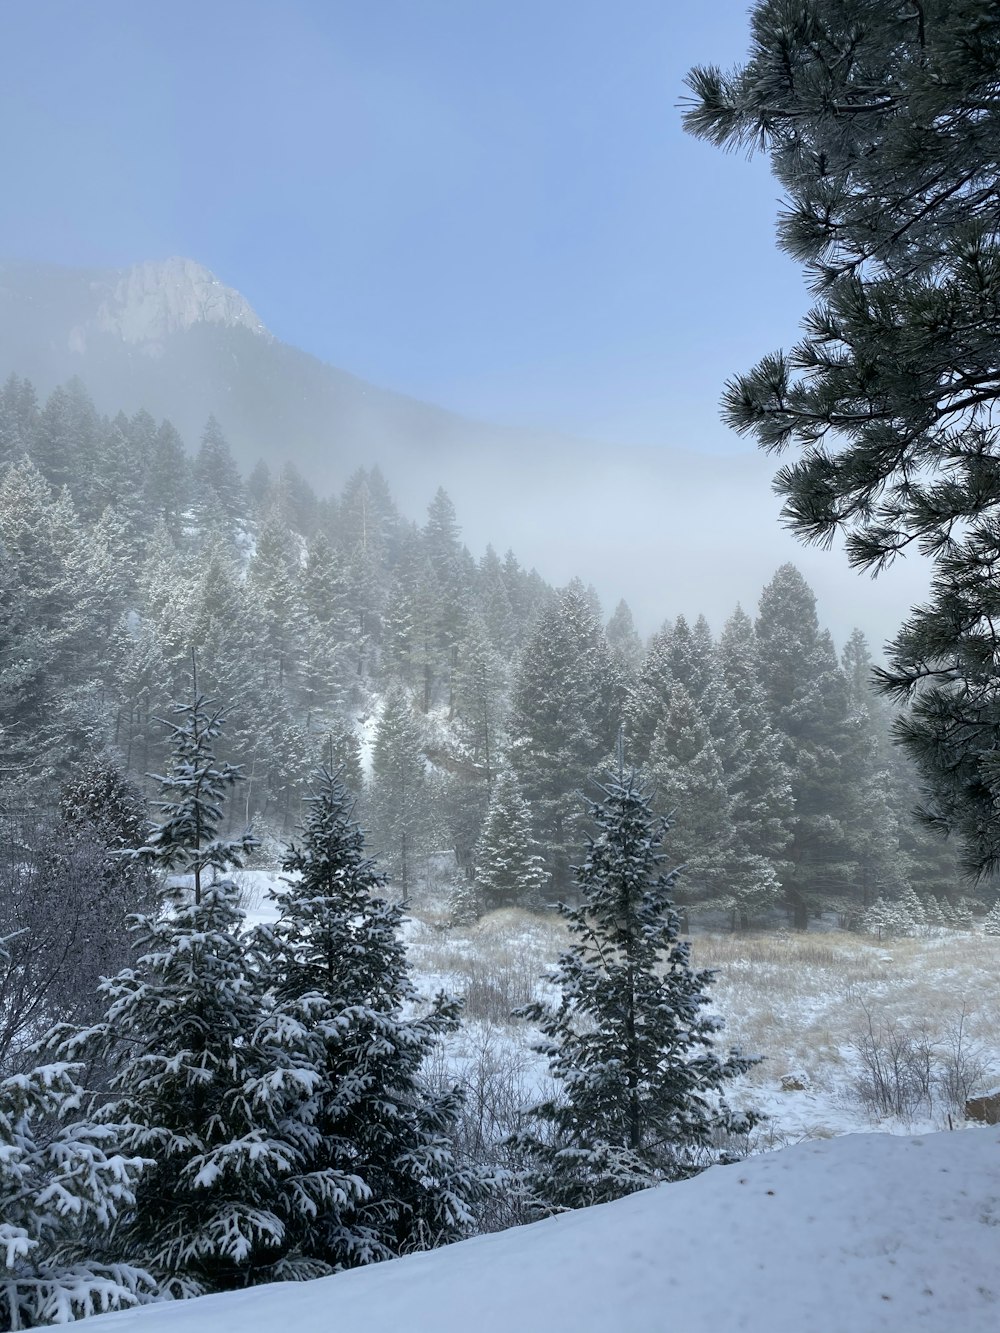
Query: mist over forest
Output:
(499,641)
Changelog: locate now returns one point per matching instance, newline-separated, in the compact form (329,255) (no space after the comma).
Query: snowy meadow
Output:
(854,1033)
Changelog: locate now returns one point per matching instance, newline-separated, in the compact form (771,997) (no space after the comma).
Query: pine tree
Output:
(823,747)
(622,637)
(757,779)
(63,1186)
(691,791)
(186,840)
(373,1134)
(650,696)
(562,722)
(509,871)
(880,121)
(398,790)
(199,1084)
(217,485)
(629,1042)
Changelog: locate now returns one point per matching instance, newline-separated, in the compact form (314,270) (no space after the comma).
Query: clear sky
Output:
(488,204)
(485,203)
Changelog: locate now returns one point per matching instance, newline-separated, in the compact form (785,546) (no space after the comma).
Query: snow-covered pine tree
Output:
(563,720)
(63,1184)
(186,841)
(991,922)
(195,1086)
(398,800)
(629,1042)
(509,870)
(691,791)
(886,919)
(371,1124)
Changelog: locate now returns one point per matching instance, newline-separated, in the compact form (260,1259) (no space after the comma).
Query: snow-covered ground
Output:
(819,1007)
(851,1235)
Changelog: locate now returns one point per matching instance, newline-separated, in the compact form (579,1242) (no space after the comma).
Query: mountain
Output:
(864,1233)
(170,337)
(670,529)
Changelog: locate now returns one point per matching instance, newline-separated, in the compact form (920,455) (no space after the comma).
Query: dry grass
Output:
(803,1001)
(820,1008)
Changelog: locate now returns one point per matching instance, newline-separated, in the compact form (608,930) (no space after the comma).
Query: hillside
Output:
(865,1233)
(171,338)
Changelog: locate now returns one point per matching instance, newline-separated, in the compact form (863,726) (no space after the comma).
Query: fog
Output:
(671,531)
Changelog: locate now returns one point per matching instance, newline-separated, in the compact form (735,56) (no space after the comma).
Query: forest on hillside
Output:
(469,704)
(201,672)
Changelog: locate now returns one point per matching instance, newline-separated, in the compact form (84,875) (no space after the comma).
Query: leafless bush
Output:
(492,997)
(964,1068)
(897,1068)
(495,1076)
(63,905)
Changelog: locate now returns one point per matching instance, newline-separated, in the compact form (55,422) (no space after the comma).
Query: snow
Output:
(863,1233)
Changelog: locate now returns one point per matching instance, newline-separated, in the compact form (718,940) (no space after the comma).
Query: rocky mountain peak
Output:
(148,302)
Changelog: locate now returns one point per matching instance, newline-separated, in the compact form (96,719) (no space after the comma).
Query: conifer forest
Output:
(366,890)
(205,673)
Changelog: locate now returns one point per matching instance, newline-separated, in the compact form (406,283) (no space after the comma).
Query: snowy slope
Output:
(850,1235)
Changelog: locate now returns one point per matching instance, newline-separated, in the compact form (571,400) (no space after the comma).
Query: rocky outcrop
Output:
(152,300)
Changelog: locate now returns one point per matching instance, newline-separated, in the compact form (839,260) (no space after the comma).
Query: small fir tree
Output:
(629,1041)
(339,974)
(509,871)
(62,1187)
(200,1085)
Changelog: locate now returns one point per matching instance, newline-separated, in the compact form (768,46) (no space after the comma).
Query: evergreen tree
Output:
(186,841)
(169,478)
(623,638)
(562,722)
(629,1042)
(509,871)
(18,420)
(398,795)
(650,696)
(881,126)
(481,698)
(370,1125)
(691,790)
(199,1084)
(63,1186)
(217,484)
(757,779)
(823,747)
(64,441)
(273,582)
(47,642)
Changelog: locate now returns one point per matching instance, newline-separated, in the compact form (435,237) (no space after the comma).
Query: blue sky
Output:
(485,203)
(488,204)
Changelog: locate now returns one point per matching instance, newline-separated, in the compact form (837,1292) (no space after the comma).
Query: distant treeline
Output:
(469,703)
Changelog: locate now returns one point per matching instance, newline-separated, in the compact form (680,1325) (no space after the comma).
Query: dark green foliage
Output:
(562,722)
(824,748)
(882,124)
(186,841)
(200,1085)
(338,969)
(509,870)
(62,1187)
(640,1082)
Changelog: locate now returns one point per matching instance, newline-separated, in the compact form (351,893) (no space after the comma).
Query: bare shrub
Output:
(495,1074)
(64,902)
(964,1068)
(897,1068)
